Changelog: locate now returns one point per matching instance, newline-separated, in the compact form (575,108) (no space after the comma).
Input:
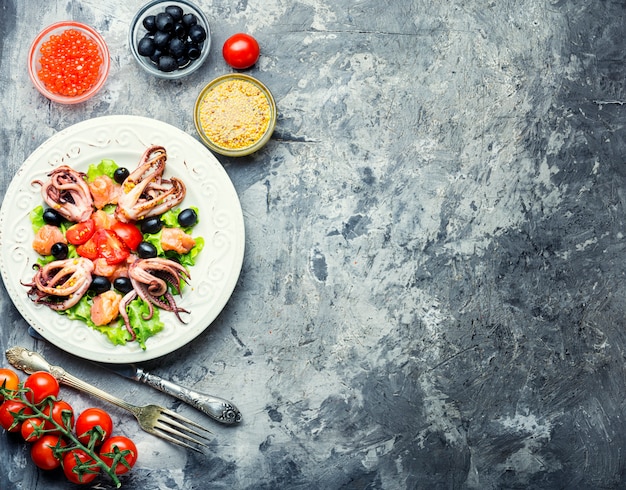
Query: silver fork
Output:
(154,419)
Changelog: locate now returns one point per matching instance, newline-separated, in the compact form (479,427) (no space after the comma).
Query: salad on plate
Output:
(115,246)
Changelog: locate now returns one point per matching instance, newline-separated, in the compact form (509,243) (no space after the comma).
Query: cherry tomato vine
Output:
(83,450)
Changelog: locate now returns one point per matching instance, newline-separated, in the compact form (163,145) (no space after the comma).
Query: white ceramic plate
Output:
(124,139)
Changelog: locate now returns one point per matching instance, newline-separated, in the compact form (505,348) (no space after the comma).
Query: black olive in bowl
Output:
(170,39)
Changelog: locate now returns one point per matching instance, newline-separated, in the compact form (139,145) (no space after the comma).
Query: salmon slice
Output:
(105,307)
(104,190)
(47,236)
(177,240)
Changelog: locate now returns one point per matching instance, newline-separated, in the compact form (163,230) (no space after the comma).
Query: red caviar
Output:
(70,63)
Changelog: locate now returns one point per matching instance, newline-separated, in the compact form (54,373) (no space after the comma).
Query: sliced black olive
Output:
(151,225)
(175,11)
(162,39)
(59,250)
(100,284)
(150,23)
(120,174)
(146,250)
(190,19)
(52,217)
(164,22)
(197,33)
(123,285)
(187,217)
(193,51)
(167,63)
(146,46)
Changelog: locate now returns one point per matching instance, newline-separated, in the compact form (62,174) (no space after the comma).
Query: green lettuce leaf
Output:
(116,332)
(105,167)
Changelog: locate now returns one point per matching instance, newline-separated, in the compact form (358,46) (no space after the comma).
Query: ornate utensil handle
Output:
(30,362)
(217,408)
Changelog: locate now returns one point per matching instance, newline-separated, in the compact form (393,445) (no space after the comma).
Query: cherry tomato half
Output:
(77,467)
(62,413)
(89,249)
(9,410)
(122,449)
(32,429)
(111,247)
(44,451)
(96,423)
(39,386)
(9,380)
(104,244)
(80,232)
(129,234)
(241,51)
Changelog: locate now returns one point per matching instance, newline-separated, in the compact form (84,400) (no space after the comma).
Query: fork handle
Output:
(215,407)
(30,362)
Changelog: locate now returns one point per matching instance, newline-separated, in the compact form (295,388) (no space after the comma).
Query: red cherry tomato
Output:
(129,234)
(96,423)
(39,386)
(122,446)
(32,429)
(80,232)
(45,452)
(8,381)
(9,410)
(77,467)
(89,249)
(241,51)
(111,247)
(62,413)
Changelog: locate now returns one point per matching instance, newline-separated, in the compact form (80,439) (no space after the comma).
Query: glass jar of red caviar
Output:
(69,62)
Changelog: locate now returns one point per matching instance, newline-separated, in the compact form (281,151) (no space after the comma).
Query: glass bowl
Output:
(235,115)
(35,55)
(138,31)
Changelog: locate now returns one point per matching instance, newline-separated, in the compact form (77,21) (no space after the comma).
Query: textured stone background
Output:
(432,292)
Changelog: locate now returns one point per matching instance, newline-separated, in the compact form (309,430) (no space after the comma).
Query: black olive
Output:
(161,39)
(182,61)
(59,250)
(164,22)
(52,217)
(180,31)
(146,250)
(151,225)
(146,46)
(120,174)
(193,51)
(100,284)
(167,63)
(150,23)
(197,33)
(187,217)
(190,19)
(175,11)
(177,47)
(156,55)
(123,285)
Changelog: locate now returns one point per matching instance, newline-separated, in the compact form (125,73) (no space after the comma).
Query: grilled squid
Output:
(145,192)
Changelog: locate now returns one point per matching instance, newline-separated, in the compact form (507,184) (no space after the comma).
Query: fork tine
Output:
(175,419)
(163,435)
(170,426)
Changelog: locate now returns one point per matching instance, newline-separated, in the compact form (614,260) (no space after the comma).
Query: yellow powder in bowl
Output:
(234,114)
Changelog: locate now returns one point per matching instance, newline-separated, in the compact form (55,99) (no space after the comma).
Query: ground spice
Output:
(235,114)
